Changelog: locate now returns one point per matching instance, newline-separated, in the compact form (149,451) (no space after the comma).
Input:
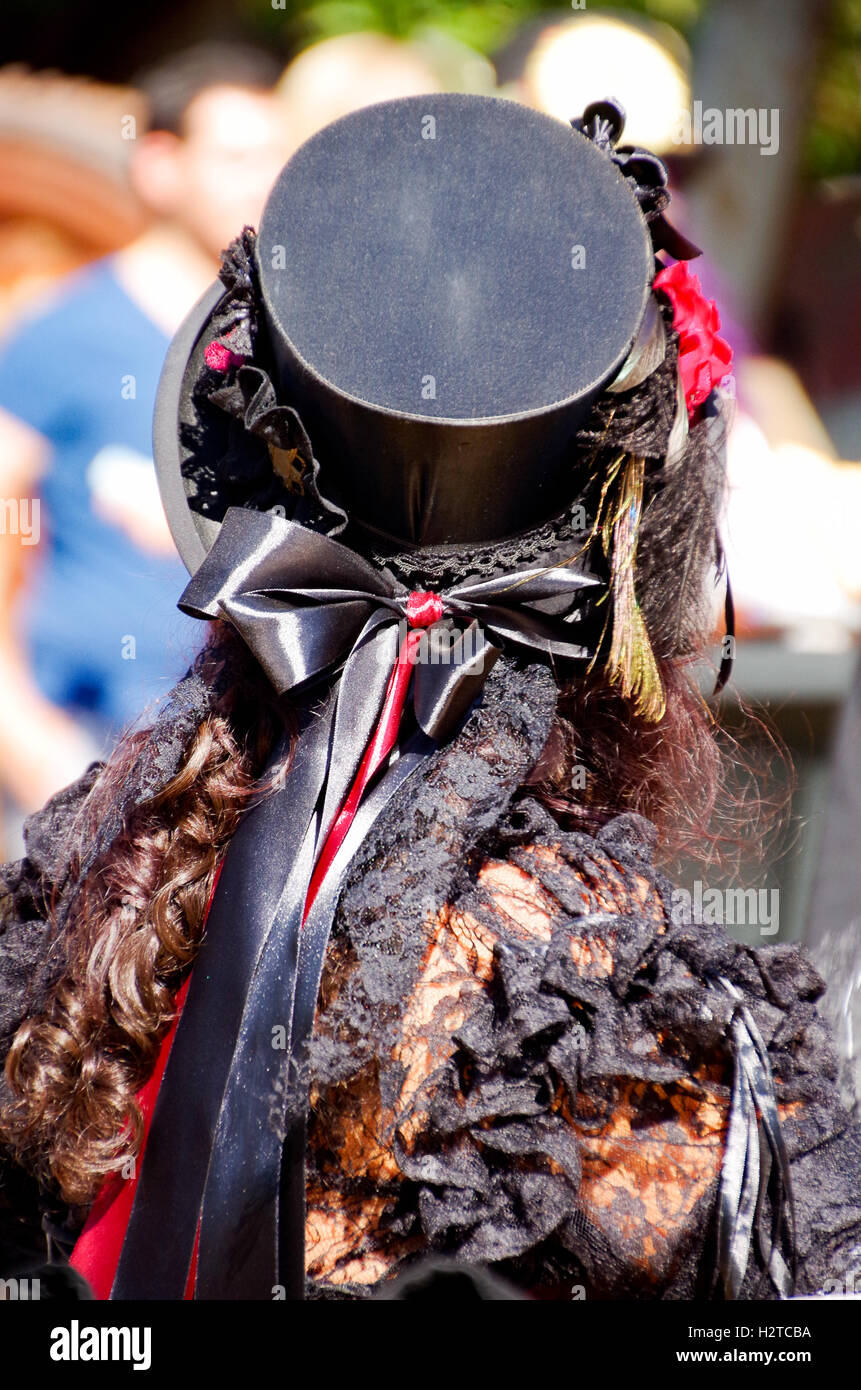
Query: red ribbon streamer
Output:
(382,742)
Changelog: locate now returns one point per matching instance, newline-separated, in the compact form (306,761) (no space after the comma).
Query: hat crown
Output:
(441,288)
(452,258)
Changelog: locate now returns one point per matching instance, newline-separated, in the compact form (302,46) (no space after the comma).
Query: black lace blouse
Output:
(519,1059)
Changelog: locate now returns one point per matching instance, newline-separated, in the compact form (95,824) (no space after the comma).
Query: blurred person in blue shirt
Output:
(89,577)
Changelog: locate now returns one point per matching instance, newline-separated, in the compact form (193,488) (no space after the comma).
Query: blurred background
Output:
(135,140)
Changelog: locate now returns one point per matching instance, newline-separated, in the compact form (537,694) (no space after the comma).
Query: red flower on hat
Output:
(220,357)
(704,358)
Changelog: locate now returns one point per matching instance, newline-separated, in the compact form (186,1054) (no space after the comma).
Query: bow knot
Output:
(423,609)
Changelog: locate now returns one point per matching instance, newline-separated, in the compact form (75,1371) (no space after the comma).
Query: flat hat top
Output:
(454,258)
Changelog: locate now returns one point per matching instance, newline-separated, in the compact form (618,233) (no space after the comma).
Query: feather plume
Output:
(631,662)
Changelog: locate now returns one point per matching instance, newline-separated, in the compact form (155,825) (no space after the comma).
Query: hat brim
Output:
(193,534)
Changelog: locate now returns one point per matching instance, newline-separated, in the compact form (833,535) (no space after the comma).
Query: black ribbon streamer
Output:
(755,1159)
(728,657)
(226,1148)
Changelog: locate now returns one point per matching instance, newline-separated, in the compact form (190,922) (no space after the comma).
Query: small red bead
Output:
(423,609)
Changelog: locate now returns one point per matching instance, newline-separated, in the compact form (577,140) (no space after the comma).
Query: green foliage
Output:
(833,143)
(484,26)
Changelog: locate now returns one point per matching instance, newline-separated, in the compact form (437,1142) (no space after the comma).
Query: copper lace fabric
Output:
(635,1155)
(519,1059)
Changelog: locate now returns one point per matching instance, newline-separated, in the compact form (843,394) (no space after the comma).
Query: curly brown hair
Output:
(134,928)
(707,783)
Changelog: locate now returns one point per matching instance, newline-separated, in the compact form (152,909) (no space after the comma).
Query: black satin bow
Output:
(303,602)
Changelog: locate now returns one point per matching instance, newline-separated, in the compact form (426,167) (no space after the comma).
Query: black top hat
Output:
(441,287)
